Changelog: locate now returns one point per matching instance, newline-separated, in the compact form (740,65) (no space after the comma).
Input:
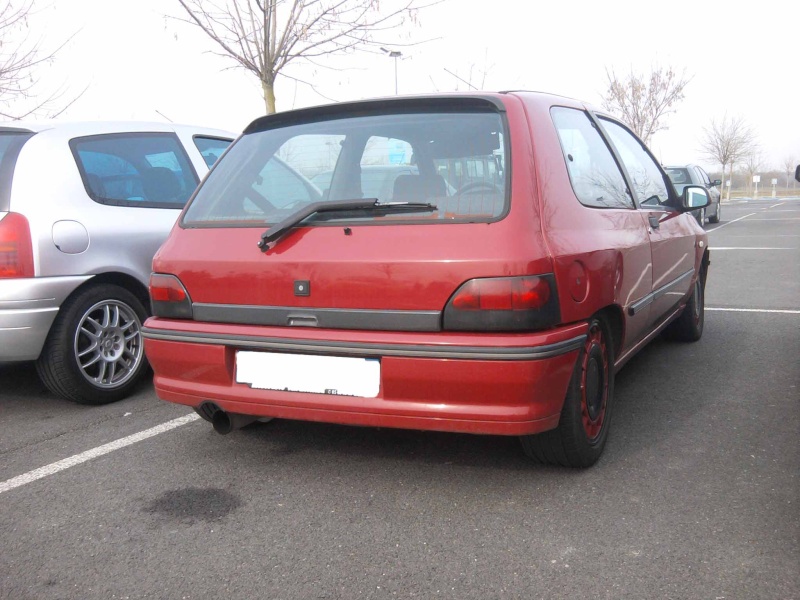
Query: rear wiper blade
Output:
(368,204)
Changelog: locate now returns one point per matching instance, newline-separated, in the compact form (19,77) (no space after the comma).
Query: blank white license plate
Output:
(335,375)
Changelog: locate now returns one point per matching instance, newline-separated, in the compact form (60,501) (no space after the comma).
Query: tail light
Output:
(169,298)
(504,304)
(16,249)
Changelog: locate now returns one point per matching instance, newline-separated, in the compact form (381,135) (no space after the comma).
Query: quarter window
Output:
(135,169)
(210,148)
(646,178)
(595,176)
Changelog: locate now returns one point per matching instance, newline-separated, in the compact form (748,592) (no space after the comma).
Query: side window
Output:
(704,177)
(596,178)
(210,148)
(135,169)
(648,181)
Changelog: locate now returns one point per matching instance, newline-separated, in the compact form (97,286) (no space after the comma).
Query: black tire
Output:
(717,215)
(688,327)
(701,217)
(94,352)
(582,430)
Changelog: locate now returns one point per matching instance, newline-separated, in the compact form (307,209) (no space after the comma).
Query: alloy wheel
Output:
(108,344)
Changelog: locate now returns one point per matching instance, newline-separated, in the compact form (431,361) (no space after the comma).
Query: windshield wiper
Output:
(367,204)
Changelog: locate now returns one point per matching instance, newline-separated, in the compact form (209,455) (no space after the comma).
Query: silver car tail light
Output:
(16,250)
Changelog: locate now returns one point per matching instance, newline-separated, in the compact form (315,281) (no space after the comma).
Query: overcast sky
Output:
(137,64)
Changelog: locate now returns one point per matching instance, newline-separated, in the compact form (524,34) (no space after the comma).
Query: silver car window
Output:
(135,169)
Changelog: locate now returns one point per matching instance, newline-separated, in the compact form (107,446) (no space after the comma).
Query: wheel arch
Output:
(704,264)
(122,280)
(613,317)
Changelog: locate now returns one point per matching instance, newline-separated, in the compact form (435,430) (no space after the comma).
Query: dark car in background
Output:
(684,175)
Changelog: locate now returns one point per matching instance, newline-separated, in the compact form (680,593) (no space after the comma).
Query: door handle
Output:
(654,221)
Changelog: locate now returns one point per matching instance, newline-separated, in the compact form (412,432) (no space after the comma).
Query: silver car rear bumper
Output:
(28,308)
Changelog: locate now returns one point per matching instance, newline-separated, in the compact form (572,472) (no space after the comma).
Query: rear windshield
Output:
(11,143)
(679,177)
(455,161)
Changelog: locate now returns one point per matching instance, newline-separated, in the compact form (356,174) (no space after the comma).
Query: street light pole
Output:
(395,54)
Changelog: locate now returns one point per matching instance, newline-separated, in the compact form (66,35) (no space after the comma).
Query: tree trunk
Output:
(268,89)
(725,182)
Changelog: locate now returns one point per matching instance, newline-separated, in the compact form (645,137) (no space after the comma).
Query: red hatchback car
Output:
(496,289)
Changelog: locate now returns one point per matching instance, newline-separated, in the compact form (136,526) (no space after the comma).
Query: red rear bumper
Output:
(505,384)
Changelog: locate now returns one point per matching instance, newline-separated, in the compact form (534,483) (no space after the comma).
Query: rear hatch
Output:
(261,244)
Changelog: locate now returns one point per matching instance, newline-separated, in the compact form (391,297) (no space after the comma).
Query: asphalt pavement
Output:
(696,496)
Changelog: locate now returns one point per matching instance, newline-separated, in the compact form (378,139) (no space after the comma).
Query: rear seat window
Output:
(136,169)
(456,161)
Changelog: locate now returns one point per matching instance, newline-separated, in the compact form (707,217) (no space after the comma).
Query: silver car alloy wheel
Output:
(108,344)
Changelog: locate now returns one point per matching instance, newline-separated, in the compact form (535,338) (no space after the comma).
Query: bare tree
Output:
(789,165)
(20,58)
(265,36)
(643,101)
(728,141)
(752,165)
(475,72)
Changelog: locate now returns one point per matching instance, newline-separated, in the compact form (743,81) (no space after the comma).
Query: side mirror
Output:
(716,182)
(694,197)
(797,173)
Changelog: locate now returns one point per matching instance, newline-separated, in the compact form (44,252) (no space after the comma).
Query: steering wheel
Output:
(477,186)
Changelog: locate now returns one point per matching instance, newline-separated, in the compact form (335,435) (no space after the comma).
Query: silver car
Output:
(83,209)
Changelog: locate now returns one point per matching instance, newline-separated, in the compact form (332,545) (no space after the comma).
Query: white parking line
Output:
(729,223)
(747,248)
(77,459)
(751,248)
(756,310)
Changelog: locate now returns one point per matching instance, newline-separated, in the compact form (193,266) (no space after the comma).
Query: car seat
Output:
(160,184)
(418,188)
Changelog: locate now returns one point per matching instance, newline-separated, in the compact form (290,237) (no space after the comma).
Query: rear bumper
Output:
(28,308)
(504,384)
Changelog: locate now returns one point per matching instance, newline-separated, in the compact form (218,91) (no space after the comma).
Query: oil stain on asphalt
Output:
(195,504)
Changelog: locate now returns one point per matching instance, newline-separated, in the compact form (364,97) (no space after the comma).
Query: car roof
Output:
(494,97)
(71,129)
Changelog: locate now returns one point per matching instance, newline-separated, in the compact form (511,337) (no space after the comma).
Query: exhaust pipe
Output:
(225,422)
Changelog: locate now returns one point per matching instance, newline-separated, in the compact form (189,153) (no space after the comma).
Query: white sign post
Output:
(756,180)
(774,183)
